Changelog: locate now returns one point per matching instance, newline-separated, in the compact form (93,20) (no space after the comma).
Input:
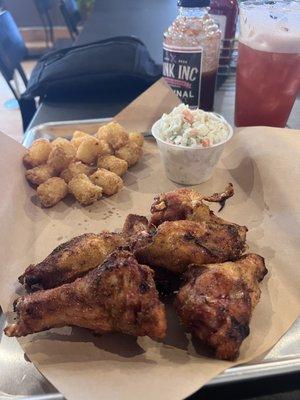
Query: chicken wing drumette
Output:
(175,245)
(71,260)
(217,301)
(119,296)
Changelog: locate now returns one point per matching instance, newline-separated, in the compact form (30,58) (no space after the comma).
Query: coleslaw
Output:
(192,128)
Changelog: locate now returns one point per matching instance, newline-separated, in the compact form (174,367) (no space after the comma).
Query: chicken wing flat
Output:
(119,296)
(71,260)
(177,244)
(186,204)
(217,301)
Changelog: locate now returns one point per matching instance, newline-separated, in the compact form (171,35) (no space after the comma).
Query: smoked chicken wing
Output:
(118,296)
(134,225)
(71,260)
(188,204)
(217,301)
(137,232)
(175,245)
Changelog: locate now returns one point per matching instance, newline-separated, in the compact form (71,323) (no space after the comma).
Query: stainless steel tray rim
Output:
(30,135)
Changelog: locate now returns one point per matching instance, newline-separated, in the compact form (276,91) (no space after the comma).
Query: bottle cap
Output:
(193,3)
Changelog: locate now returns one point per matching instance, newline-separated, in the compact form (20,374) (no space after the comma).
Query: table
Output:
(145,19)
(64,111)
(283,387)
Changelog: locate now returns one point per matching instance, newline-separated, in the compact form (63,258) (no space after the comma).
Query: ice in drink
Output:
(268,72)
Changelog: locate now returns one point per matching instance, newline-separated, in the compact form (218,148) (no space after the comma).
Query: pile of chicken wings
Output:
(117,282)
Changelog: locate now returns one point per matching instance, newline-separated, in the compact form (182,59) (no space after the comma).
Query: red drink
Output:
(268,71)
(267,86)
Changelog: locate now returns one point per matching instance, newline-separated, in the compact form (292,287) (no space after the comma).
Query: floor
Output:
(10,119)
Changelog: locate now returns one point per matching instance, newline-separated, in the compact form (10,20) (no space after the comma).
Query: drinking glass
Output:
(268,70)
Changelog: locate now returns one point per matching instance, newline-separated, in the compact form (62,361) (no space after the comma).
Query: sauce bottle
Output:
(225,12)
(191,54)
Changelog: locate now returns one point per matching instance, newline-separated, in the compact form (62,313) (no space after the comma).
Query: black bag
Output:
(111,69)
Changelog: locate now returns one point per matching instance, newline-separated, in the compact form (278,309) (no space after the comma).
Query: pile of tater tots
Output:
(87,166)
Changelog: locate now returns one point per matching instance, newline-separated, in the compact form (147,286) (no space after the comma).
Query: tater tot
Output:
(76,168)
(52,191)
(104,148)
(88,150)
(114,134)
(62,153)
(137,138)
(60,142)
(77,138)
(131,153)
(113,164)
(40,174)
(37,154)
(84,190)
(102,133)
(110,182)
(79,134)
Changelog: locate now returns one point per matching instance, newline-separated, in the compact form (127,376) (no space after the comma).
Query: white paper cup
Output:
(189,165)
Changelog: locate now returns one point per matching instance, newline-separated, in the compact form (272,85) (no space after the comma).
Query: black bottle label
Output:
(182,70)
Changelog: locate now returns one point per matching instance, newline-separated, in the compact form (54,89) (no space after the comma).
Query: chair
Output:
(12,52)
(43,7)
(71,15)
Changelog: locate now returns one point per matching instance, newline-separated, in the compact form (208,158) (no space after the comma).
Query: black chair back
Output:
(71,15)
(12,52)
(44,7)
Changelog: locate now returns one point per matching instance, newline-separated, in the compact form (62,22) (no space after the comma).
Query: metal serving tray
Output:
(19,377)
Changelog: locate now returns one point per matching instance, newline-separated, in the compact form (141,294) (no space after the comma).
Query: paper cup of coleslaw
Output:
(191,143)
